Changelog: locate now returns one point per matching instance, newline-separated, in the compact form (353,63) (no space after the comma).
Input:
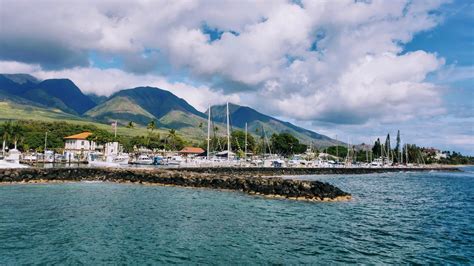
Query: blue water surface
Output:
(393,218)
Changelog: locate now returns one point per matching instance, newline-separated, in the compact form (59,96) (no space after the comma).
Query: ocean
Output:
(393,218)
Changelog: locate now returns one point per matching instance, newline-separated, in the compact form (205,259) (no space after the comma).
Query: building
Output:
(78,146)
(191,151)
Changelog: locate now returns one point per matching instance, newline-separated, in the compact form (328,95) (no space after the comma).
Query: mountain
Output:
(239,115)
(62,99)
(55,93)
(60,93)
(143,104)
(17,84)
(97,99)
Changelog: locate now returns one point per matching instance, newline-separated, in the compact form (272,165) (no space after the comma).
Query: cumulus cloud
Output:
(335,61)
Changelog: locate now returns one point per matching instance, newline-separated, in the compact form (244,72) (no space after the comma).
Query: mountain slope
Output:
(56,93)
(143,104)
(156,101)
(17,84)
(60,93)
(256,121)
(122,109)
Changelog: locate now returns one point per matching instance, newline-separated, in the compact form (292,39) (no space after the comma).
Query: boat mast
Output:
(228,133)
(208,131)
(245,140)
(45,140)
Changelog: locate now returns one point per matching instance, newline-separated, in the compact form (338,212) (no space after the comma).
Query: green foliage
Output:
(174,141)
(286,144)
(457,158)
(238,141)
(377,149)
(151,125)
(101,136)
(340,151)
(31,134)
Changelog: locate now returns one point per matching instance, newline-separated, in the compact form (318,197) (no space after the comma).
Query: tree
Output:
(151,125)
(6,131)
(387,144)
(130,125)
(174,141)
(376,149)
(16,133)
(397,147)
(339,150)
(238,141)
(101,137)
(286,144)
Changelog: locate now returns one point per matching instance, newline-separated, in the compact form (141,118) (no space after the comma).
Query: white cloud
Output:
(338,61)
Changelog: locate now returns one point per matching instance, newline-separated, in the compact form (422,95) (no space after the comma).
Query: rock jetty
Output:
(253,184)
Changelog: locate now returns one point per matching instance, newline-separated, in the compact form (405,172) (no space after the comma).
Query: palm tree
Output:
(130,124)
(17,133)
(6,131)
(151,125)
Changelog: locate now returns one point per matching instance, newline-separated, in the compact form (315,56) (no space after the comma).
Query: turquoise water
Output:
(394,218)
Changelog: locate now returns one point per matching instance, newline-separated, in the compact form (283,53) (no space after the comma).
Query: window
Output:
(82,143)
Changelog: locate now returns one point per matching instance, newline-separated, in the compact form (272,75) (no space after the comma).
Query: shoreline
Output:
(268,187)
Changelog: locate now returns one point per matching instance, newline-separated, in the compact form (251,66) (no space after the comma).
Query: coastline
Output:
(269,187)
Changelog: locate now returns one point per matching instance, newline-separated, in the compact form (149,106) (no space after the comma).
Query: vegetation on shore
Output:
(28,135)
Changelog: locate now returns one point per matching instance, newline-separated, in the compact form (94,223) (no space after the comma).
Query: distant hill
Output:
(50,93)
(61,93)
(143,104)
(62,99)
(256,121)
(17,84)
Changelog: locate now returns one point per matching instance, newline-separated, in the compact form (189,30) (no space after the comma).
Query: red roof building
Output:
(191,151)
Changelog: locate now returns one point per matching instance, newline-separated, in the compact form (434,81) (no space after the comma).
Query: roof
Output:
(83,135)
(193,150)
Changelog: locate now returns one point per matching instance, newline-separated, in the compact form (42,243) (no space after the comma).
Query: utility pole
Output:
(208,131)
(228,133)
(45,141)
(245,140)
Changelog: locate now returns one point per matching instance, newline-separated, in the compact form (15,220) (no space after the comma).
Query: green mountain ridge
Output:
(258,124)
(62,99)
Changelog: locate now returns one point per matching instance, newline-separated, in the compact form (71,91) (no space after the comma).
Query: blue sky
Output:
(357,69)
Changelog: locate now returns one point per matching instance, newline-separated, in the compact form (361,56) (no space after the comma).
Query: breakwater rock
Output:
(271,171)
(267,186)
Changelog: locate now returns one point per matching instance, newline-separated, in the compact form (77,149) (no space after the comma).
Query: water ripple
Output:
(396,218)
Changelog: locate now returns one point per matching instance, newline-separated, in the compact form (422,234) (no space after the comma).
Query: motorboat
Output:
(121,159)
(143,159)
(12,160)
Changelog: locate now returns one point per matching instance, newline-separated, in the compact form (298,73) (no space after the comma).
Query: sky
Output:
(352,69)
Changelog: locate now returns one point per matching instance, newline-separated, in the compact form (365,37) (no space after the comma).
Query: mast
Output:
(245,140)
(45,140)
(208,131)
(337,149)
(228,133)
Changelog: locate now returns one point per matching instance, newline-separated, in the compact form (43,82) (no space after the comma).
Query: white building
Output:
(78,145)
